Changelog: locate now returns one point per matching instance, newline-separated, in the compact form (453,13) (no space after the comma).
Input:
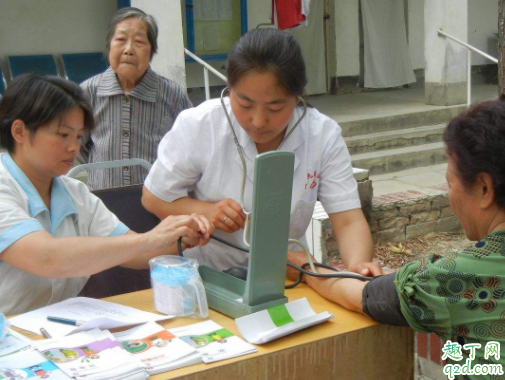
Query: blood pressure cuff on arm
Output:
(381,301)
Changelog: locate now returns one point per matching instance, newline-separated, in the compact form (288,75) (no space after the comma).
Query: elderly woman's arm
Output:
(378,298)
(43,255)
(346,292)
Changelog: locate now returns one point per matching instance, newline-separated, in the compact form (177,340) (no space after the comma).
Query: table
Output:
(350,346)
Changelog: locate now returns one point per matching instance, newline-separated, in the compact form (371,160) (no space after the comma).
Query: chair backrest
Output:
(2,83)
(125,202)
(81,66)
(35,64)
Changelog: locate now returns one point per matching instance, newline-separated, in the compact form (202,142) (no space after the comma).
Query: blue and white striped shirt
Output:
(129,125)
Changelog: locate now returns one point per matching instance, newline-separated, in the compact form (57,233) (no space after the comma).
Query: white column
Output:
(347,37)
(169,61)
(446,61)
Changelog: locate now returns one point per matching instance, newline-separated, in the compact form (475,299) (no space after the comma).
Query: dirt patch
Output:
(396,255)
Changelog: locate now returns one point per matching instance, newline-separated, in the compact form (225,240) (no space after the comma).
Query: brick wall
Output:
(402,216)
(429,356)
(392,218)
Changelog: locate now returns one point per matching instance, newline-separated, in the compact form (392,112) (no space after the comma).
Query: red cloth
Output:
(289,13)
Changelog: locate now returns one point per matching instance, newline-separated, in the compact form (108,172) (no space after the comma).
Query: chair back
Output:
(35,64)
(81,66)
(2,83)
(125,203)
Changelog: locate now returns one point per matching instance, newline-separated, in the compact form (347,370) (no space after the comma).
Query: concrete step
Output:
(395,139)
(391,160)
(400,121)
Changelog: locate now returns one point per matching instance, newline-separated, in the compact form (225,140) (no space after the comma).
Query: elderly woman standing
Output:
(133,106)
(459,296)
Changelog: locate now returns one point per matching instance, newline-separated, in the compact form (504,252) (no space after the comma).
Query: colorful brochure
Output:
(278,321)
(158,349)
(27,365)
(91,355)
(212,341)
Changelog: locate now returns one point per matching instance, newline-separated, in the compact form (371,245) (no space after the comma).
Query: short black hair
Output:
(269,50)
(475,140)
(36,100)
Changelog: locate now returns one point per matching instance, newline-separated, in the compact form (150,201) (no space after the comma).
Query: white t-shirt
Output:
(198,158)
(74,212)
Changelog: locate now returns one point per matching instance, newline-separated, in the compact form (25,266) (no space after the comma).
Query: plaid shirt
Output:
(128,125)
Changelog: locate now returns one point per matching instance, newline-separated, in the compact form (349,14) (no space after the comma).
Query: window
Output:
(211,27)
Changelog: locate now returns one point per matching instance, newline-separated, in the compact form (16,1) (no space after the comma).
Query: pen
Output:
(65,321)
(44,332)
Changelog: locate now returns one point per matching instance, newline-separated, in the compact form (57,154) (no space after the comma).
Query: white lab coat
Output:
(198,158)
(74,212)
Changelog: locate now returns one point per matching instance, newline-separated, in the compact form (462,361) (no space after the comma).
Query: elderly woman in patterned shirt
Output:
(133,106)
(459,296)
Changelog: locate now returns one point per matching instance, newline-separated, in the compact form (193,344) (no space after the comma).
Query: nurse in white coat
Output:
(54,233)
(198,169)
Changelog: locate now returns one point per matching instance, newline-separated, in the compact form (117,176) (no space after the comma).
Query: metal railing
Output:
(469,49)
(206,69)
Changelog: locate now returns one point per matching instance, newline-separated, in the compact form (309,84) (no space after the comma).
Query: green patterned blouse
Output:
(460,297)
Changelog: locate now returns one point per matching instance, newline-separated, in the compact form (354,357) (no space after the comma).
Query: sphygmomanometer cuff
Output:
(381,301)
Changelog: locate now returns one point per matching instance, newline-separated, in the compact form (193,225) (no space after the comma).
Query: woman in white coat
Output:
(198,169)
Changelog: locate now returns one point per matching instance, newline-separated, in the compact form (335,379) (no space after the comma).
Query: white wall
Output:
(258,12)
(72,26)
(169,61)
(347,30)
(347,35)
(53,27)
(416,33)
(482,23)
(445,60)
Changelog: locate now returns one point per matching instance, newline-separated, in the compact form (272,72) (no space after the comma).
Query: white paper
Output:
(212,341)
(258,328)
(131,369)
(29,364)
(158,349)
(95,313)
(188,360)
(13,342)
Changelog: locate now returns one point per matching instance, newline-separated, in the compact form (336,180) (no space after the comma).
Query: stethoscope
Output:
(310,263)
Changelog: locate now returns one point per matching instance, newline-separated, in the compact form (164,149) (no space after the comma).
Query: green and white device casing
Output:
(269,234)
